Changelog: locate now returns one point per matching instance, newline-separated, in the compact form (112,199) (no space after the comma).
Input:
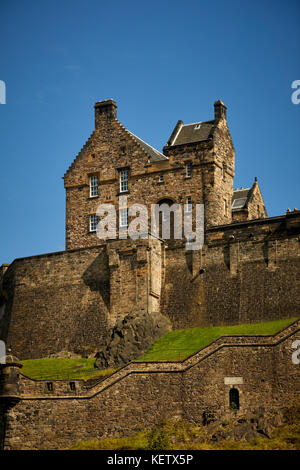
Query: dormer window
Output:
(94,186)
(188,170)
(123,181)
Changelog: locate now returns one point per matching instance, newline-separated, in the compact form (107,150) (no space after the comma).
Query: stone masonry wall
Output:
(56,302)
(142,394)
(248,272)
(70,301)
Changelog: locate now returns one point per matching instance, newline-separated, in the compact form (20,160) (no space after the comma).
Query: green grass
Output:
(175,345)
(179,344)
(62,369)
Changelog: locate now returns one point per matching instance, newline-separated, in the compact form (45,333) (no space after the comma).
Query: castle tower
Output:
(207,151)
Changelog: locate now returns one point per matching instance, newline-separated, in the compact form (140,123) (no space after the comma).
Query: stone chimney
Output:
(105,111)
(220,110)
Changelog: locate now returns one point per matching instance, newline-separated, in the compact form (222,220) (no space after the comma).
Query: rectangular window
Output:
(123,181)
(123,218)
(188,206)
(93,186)
(223,172)
(160,179)
(225,207)
(94,219)
(188,170)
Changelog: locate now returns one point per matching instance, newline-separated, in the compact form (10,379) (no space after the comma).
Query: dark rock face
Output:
(131,337)
(259,423)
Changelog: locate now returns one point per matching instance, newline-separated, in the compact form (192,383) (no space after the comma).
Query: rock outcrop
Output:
(131,337)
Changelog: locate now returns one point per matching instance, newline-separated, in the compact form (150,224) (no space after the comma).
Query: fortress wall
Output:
(56,302)
(246,272)
(69,301)
(252,277)
(150,392)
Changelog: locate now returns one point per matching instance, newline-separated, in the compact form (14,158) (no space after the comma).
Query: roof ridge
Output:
(148,145)
(131,135)
(136,139)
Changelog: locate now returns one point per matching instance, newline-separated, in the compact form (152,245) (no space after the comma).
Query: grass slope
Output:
(179,344)
(62,369)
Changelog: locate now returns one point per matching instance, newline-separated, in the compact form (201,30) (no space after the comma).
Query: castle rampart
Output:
(260,368)
(69,301)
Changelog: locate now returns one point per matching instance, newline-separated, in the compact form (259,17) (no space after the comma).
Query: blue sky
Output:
(161,61)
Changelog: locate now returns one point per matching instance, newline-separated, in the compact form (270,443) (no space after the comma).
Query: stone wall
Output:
(142,394)
(56,302)
(245,272)
(70,301)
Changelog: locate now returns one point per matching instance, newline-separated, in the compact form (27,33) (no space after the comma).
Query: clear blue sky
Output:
(161,61)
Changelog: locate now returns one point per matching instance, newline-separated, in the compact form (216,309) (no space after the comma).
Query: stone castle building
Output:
(247,271)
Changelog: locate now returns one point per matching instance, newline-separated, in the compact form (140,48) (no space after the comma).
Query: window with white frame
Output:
(123,181)
(93,186)
(123,218)
(161,179)
(94,219)
(188,170)
(188,207)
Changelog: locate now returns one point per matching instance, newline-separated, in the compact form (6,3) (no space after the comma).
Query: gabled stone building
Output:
(196,167)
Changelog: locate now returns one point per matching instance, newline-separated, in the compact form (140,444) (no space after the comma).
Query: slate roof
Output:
(154,155)
(240,198)
(194,132)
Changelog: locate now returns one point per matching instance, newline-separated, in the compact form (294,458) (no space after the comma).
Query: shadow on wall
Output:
(5,311)
(226,255)
(96,277)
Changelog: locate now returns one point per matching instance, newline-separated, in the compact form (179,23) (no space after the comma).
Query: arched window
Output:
(234,399)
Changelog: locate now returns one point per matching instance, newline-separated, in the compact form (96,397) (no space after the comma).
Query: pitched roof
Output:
(154,155)
(194,132)
(240,198)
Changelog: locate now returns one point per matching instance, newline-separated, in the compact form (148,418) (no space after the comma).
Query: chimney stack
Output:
(220,110)
(105,111)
